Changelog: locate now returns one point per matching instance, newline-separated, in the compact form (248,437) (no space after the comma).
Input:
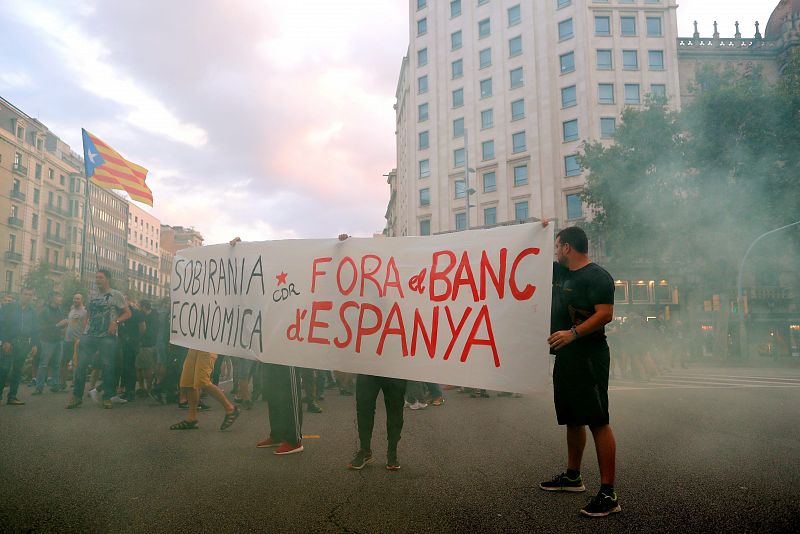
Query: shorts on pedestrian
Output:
(146,358)
(580,388)
(197,369)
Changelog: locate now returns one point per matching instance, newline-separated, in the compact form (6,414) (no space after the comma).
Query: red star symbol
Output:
(281,278)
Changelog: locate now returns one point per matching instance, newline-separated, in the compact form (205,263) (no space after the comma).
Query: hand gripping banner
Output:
(469,308)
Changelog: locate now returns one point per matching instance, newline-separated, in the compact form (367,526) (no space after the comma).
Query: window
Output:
(62,180)
(424,168)
(38,172)
(515,46)
(574,206)
(569,97)
(423,112)
(567,62)
(461,220)
(654,26)
(36,194)
(455,40)
(521,210)
(485,58)
(632,93)
(655,58)
(484,28)
(487,150)
(520,175)
(458,157)
(425,227)
(50,173)
(562,3)
(658,90)
(602,25)
(35,221)
(571,166)
(460,189)
(486,88)
(630,59)
(605,60)
(514,15)
(627,26)
(422,57)
(425,197)
(570,130)
(487,118)
(422,84)
(458,98)
(458,128)
(565,30)
(455,8)
(457,68)
(516,77)
(9,281)
(33,250)
(608,126)
(605,93)
(489,216)
(489,182)
(517,109)
(518,142)
(422,26)
(421,4)
(424,141)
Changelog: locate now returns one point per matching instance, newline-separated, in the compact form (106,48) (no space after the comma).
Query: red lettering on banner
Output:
(391,271)
(399,331)
(315,272)
(370,275)
(455,331)
(499,281)
(463,277)
(419,326)
(483,316)
(441,275)
(530,289)
(346,306)
(362,331)
(324,305)
(293,332)
(342,263)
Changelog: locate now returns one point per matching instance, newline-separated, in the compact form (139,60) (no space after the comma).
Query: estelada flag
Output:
(109,170)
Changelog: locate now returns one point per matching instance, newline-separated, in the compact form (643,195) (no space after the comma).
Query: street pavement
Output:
(700,450)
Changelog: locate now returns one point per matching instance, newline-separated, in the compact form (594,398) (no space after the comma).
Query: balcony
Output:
(19,169)
(16,194)
(56,269)
(58,240)
(15,221)
(13,257)
(55,210)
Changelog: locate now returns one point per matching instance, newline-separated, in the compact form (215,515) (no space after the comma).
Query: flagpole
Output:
(85,215)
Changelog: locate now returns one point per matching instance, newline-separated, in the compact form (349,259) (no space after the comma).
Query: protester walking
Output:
(19,330)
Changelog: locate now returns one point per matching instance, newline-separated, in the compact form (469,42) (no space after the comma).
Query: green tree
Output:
(40,279)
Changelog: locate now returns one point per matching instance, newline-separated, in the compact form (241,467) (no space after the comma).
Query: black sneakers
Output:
(563,483)
(392,463)
(361,459)
(602,505)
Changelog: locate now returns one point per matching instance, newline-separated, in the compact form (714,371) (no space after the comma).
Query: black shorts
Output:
(580,388)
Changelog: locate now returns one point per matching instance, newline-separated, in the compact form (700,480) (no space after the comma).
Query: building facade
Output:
(144,247)
(175,238)
(106,239)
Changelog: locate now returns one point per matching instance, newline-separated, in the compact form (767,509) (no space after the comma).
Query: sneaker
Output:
(107,404)
(289,448)
(313,407)
(438,401)
(247,404)
(183,405)
(267,443)
(202,407)
(118,399)
(74,403)
(93,394)
(406,404)
(563,483)
(392,464)
(418,406)
(156,396)
(15,402)
(361,459)
(345,392)
(602,505)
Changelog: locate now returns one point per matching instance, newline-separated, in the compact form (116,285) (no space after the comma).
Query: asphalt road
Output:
(706,450)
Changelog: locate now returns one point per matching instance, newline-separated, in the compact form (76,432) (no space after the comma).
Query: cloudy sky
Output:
(266,119)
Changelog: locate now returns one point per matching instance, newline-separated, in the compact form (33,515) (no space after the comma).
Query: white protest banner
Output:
(469,308)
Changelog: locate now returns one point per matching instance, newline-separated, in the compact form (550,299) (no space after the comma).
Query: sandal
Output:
(230,418)
(184,425)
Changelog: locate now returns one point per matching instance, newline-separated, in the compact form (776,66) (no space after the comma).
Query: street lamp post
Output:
(468,191)
(739,291)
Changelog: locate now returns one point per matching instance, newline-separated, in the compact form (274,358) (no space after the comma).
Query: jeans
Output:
(49,358)
(434,389)
(106,346)
(367,389)
(11,366)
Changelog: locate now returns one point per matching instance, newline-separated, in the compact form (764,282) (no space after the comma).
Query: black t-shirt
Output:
(129,330)
(575,294)
(151,332)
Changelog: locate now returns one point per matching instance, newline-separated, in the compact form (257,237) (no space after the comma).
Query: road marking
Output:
(705,381)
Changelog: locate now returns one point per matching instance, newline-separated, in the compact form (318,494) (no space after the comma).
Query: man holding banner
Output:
(582,304)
